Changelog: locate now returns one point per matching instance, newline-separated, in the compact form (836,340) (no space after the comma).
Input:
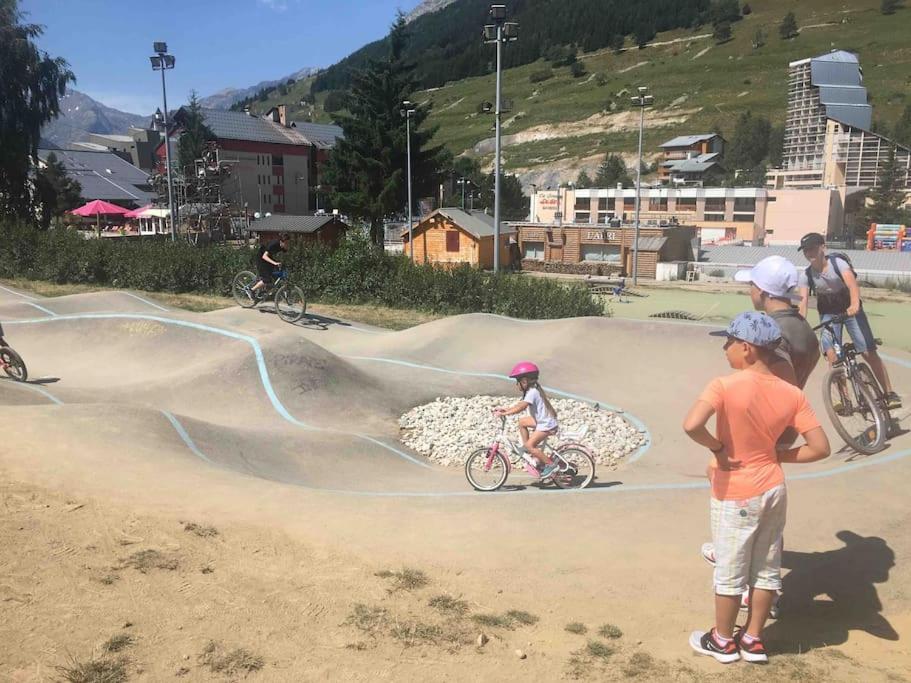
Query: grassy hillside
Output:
(564,124)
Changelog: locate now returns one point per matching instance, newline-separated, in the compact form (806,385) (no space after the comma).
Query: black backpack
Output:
(832,258)
(840,302)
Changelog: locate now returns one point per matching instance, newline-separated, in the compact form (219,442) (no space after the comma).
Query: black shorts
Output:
(267,275)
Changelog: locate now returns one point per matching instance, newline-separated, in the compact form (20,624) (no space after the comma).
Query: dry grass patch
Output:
(599,650)
(408,579)
(448,605)
(640,664)
(94,670)
(610,631)
(145,560)
(117,643)
(201,530)
(577,628)
(509,620)
(378,316)
(230,662)
(370,620)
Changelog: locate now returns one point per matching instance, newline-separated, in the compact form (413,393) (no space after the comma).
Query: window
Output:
(533,251)
(714,205)
(629,203)
(714,218)
(582,204)
(657,203)
(452,240)
(744,217)
(686,204)
(582,217)
(278,160)
(745,204)
(601,252)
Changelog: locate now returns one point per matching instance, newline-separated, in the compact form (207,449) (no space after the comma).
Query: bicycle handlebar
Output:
(837,320)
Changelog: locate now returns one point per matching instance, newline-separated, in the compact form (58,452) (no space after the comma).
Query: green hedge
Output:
(356,272)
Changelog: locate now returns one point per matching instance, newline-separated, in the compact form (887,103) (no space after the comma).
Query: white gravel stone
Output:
(450,429)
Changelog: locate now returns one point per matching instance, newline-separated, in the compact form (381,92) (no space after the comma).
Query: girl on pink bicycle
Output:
(541,421)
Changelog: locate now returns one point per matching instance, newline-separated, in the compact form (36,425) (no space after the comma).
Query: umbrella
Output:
(136,213)
(99,208)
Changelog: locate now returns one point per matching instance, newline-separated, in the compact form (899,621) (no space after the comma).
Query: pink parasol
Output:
(99,208)
(136,213)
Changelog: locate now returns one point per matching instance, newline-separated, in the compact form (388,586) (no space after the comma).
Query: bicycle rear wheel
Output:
(13,364)
(855,412)
(486,471)
(578,470)
(240,288)
(290,303)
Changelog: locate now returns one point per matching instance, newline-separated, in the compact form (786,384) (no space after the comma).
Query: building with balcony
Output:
(691,159)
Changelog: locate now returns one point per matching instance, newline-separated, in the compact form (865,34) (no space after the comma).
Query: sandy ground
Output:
(233,489)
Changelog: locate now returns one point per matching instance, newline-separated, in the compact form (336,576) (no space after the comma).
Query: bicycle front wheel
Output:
(290,303)
(855,413)
(13,364)
(577,469)
(486,471)
(240,288)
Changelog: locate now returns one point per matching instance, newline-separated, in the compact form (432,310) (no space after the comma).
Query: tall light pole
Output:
(499,32)
(408,112)
(642,100)
(161,61)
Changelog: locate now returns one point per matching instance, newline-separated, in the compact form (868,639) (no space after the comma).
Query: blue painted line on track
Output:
(11,291)
(896,360)
(637,423)
(260,363)
(41,390)
(146,301)
(619,488)
(42,308)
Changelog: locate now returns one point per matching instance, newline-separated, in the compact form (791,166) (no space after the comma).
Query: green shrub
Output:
(356,272)
(541,76)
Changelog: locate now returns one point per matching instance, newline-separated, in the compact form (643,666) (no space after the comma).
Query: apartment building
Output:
(691,159)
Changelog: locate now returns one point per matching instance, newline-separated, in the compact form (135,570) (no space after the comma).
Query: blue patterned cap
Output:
(754,328)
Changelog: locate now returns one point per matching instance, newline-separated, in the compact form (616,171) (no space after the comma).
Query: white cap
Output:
(774,275)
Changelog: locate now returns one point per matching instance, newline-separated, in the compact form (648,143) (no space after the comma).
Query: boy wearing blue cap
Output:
(753,408)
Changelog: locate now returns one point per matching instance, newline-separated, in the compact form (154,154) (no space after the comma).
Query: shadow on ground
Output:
(828,594)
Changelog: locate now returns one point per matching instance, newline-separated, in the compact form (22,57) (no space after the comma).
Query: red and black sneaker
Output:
(704,643)
(754,652)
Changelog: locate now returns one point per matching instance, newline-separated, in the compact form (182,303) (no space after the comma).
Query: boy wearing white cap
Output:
(773,283)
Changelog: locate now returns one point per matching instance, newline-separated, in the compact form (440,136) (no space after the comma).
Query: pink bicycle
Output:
(11,362)
(488,468)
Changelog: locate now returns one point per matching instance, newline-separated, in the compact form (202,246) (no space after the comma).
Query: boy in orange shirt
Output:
(749,499)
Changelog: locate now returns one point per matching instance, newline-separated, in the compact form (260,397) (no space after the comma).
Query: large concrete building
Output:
(828,141)
(275,166)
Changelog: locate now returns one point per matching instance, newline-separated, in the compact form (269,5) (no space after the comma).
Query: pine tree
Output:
(513,202)
(759,39)
(747,10)
(584,181)
(194,136)
(788,27)
(613,172)
(888,196)
(722,32)
(902,133)
(30,90)
(889,6)
(55,192)
(367,167)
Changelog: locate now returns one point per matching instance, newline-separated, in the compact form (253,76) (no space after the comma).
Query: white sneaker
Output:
(708,553)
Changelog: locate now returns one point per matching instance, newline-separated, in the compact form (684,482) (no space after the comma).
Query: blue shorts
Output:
(858,329)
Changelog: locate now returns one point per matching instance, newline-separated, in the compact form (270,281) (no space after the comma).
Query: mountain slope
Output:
(223,99)
(426,7)
(81,115)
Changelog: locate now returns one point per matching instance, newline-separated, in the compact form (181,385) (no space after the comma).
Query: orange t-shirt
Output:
(752,409)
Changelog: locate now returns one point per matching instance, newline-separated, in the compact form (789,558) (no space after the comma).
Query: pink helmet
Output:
(524,368)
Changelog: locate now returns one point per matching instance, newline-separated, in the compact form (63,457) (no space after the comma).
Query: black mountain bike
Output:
(855,402)
(290,302)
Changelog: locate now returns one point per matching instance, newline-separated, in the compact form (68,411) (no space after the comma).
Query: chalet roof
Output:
(104,175)
(283,222)
(238,125)
(476,223)
(688,140)
(322,135)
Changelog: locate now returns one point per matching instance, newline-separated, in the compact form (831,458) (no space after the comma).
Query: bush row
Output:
(356,272)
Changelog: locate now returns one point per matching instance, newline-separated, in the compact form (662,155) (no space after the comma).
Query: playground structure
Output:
(888,237)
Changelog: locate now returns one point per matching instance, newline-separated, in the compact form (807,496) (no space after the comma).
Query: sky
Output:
(217,43)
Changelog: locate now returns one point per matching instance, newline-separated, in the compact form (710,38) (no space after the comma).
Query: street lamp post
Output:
(500,32)
(642,100)
(162,61)
(408,112)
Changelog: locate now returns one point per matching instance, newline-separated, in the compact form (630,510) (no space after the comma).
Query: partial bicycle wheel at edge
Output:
(13,364)
(855,413)
(290,303)
(579,470)
(484,476)
(240,286)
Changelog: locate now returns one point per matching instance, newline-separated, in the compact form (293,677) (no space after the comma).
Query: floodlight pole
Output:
(162,62)
(407,111)
(642,100)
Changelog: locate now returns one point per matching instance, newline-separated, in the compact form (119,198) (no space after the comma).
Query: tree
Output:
(513,202)
(616,42)
(788,27)
(749,145)
(55,192)
(888,196)
(902,133)
(722,32)
(336,100)
(584,181)
(725,10)
(194,136)
(31,86)
(747,10)
(577,70)
(613,172)
(367,167)
(776,146)
(759,39)
(645,33)
(889,6)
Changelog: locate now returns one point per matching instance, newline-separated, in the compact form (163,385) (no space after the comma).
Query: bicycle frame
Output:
(515,455)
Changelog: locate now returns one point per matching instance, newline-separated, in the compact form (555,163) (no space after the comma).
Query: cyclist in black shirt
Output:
(267,263)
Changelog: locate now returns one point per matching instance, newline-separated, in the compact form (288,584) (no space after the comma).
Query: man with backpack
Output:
(266,263)
(832,279)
